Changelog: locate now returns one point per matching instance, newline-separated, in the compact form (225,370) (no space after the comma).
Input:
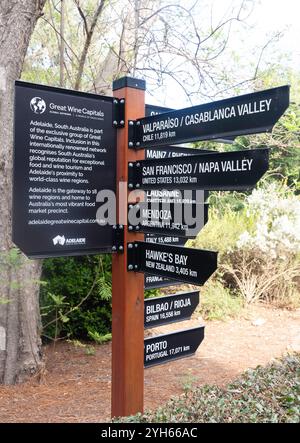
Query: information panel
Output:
(65,153)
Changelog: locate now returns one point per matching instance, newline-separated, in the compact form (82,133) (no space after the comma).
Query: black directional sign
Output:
(193,266)
(237,170)
(175,196)
(224,119)
(173,218)
(65,153)
(165,239)
(156,281)
(172,151)
(169,309)
(167,347)
(155,110)
(245,114)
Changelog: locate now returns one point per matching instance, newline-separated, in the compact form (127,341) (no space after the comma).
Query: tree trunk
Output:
(20,345)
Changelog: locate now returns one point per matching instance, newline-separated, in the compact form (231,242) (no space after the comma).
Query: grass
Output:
(268,394)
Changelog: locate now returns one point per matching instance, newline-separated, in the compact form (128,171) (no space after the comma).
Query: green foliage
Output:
(149,293)
(268,394)
(217,303)
(76,299)
(90,350)
(98,338)
(10,261)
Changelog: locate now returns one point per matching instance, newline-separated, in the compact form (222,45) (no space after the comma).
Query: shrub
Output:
(268,394)
(257,277)
(264,263)
(258,244)
(76,297)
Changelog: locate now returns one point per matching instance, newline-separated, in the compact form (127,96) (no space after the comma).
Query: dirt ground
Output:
(76,384)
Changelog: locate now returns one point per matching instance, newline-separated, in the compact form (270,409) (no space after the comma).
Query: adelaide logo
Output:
(59,240)
(38,105)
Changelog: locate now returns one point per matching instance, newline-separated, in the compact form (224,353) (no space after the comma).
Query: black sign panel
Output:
(65,153)
(171,308)
(185,220)
(237,170)
(245,114)
(167,347)
(188,265)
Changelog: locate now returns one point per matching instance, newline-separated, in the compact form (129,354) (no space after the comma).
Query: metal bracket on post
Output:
(118,239)
(132,136)
(133,228)
(133,257)
(131,175)
(134,181)
(118,112)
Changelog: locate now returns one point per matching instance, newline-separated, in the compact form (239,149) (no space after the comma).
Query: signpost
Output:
(169,309)
(71,145)
(188,265)
(65,153)
(222,171)
(245,114)
(167,347)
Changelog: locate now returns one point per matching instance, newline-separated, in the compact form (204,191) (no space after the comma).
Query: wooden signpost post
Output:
(127,288)
(70,145)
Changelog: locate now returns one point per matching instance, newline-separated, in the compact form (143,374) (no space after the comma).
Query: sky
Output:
(272,15)
(267,18)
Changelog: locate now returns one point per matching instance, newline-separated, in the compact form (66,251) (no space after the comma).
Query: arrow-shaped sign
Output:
(193,266)
(167,347)
(173,151)
(156,281)
(237,170)
(171,308)
(244,114)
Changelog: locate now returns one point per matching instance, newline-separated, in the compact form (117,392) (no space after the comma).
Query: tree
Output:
(180,43)
(19,314)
